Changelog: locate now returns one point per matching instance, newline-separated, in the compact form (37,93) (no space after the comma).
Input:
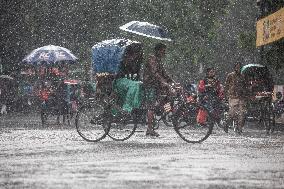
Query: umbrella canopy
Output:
(146,29)
(6,82)
(256,71)
(6,77)
(50,54)
(252,66)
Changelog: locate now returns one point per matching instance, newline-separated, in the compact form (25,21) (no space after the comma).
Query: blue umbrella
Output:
(50,54)
(146,29)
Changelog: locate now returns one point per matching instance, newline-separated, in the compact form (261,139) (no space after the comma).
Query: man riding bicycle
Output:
(157,82)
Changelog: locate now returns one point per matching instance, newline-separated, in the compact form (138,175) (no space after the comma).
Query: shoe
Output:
(152,133)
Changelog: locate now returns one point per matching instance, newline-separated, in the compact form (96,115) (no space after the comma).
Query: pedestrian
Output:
(3,101)
(236,91)
(156,82)
(210,94)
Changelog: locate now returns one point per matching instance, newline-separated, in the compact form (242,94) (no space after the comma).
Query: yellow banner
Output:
(270,28)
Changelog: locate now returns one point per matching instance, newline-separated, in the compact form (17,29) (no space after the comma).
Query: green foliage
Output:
(247,40)
(78,25)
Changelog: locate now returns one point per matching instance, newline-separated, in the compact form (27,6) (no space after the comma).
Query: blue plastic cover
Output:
(107,55)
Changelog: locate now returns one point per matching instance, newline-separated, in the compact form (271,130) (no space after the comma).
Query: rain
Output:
(74,94)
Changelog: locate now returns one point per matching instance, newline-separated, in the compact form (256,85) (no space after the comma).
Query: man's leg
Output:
(150,130)
(241,117)
(231,114)
(151,98)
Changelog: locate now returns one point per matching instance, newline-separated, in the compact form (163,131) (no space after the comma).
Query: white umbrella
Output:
(146,29)
(6,77)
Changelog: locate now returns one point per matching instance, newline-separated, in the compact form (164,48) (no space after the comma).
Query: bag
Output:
(104,83)
(201,116)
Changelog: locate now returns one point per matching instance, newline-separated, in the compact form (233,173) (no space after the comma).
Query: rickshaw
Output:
(116,66)
(63,100)
(260,86)
(50,65)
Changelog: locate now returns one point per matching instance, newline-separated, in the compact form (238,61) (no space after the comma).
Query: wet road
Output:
(56,157)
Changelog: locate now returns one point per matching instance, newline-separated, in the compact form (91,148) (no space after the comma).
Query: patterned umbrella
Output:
(146,29)
(50,54)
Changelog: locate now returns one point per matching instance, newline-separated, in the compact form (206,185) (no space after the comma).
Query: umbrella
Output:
(6,80)
(255,71)
(6,77)
(146,29)
(50,54)
(251,66)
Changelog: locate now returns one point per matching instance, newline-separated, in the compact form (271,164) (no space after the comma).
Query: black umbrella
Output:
(146,29)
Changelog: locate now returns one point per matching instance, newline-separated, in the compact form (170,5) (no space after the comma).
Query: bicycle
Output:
(105,116)
(164,111)
(186,126)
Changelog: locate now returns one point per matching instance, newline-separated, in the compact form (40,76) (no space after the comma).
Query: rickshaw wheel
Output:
(166,119)
(121,126)
(266,116)
(268,122)
(90,122)
(188,128)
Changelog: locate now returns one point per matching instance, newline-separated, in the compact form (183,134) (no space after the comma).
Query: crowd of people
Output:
(26,90)
(158,83)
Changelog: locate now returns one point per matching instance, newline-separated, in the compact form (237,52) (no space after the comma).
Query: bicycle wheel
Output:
(90,123)
(188,128)
(265,116)
(121,126)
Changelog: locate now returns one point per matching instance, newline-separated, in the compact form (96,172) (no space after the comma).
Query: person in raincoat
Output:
(156,82)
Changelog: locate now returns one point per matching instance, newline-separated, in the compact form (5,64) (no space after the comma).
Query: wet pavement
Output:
(33,156)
